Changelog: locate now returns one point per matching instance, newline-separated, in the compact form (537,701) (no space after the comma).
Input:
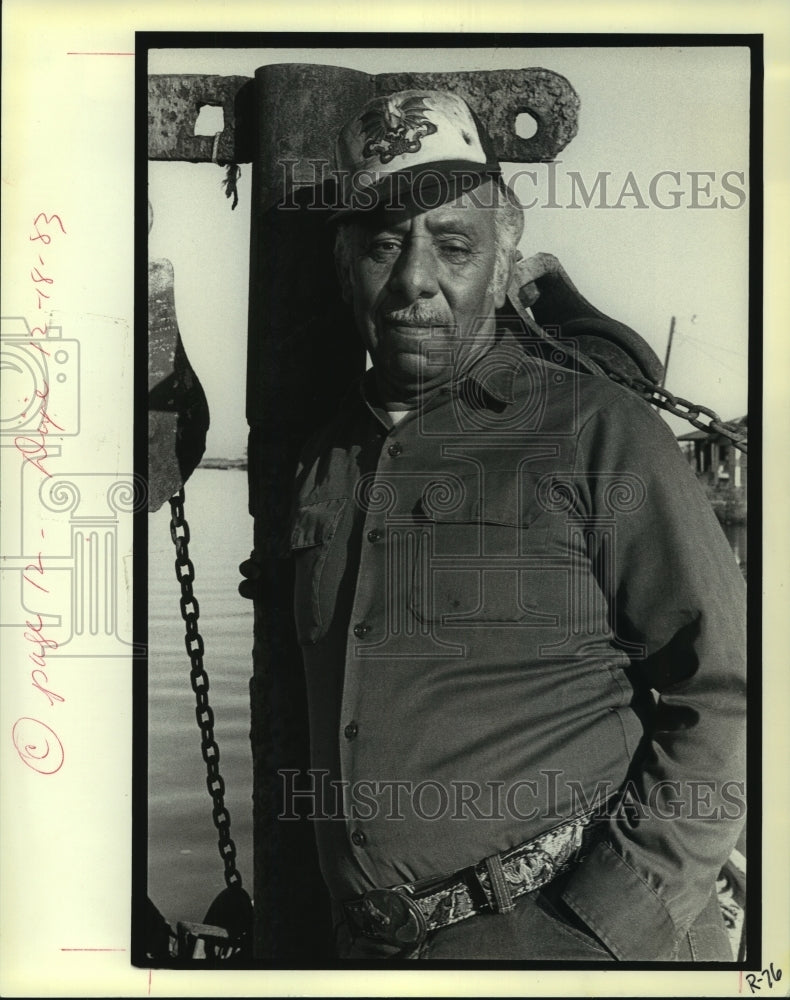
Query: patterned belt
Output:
(404,914)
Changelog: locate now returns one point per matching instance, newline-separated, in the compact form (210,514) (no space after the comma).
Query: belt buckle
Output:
(391,915)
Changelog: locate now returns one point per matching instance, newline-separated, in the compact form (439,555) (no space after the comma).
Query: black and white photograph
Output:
(447,434)
(393,547)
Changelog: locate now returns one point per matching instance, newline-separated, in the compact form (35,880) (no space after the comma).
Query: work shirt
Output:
(511,604)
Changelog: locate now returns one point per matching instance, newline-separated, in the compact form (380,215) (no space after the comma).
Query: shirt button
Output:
(361,629)
(351,730)
(395,449)
(358,838)
(374,535)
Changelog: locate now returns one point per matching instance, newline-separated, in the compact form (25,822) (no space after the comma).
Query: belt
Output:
(402,915)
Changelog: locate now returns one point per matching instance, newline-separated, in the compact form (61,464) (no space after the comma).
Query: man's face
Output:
(419,275)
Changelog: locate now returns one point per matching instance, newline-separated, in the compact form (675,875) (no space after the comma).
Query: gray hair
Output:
(508,229)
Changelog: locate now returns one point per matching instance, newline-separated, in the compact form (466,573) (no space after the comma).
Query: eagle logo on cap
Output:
(391,129)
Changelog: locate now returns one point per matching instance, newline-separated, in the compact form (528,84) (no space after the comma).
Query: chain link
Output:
(678,407)
(190,610)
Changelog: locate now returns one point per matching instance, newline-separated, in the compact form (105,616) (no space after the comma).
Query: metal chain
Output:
(185,574)
(678,407)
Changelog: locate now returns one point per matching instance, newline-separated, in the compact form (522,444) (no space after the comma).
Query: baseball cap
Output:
(420,147)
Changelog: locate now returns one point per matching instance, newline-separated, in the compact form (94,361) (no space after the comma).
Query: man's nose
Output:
(414,275)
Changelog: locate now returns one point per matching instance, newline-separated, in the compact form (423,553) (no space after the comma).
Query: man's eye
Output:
(383,248)
(455,251)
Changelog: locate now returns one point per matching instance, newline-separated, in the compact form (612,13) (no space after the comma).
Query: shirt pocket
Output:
(472,565)
(313,529)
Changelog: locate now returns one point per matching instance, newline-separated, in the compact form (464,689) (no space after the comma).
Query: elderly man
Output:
(521,624)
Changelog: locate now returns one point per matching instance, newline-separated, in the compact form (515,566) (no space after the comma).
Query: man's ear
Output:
(505,279)
(500,295)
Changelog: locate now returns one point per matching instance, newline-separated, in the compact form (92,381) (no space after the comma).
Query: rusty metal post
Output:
(302,353)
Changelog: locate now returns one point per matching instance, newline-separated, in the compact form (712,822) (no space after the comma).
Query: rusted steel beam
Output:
(303,353)
(497,96)
(174,103)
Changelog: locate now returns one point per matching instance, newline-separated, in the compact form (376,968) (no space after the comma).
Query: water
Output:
(185,871)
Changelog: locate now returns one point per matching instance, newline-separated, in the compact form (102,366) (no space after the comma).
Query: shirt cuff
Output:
(620,908)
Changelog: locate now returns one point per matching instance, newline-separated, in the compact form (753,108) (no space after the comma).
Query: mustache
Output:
(420,315)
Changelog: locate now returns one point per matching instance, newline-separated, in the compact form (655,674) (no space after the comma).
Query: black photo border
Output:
(147,40)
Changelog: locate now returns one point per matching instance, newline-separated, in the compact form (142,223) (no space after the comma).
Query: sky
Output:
(668,127)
